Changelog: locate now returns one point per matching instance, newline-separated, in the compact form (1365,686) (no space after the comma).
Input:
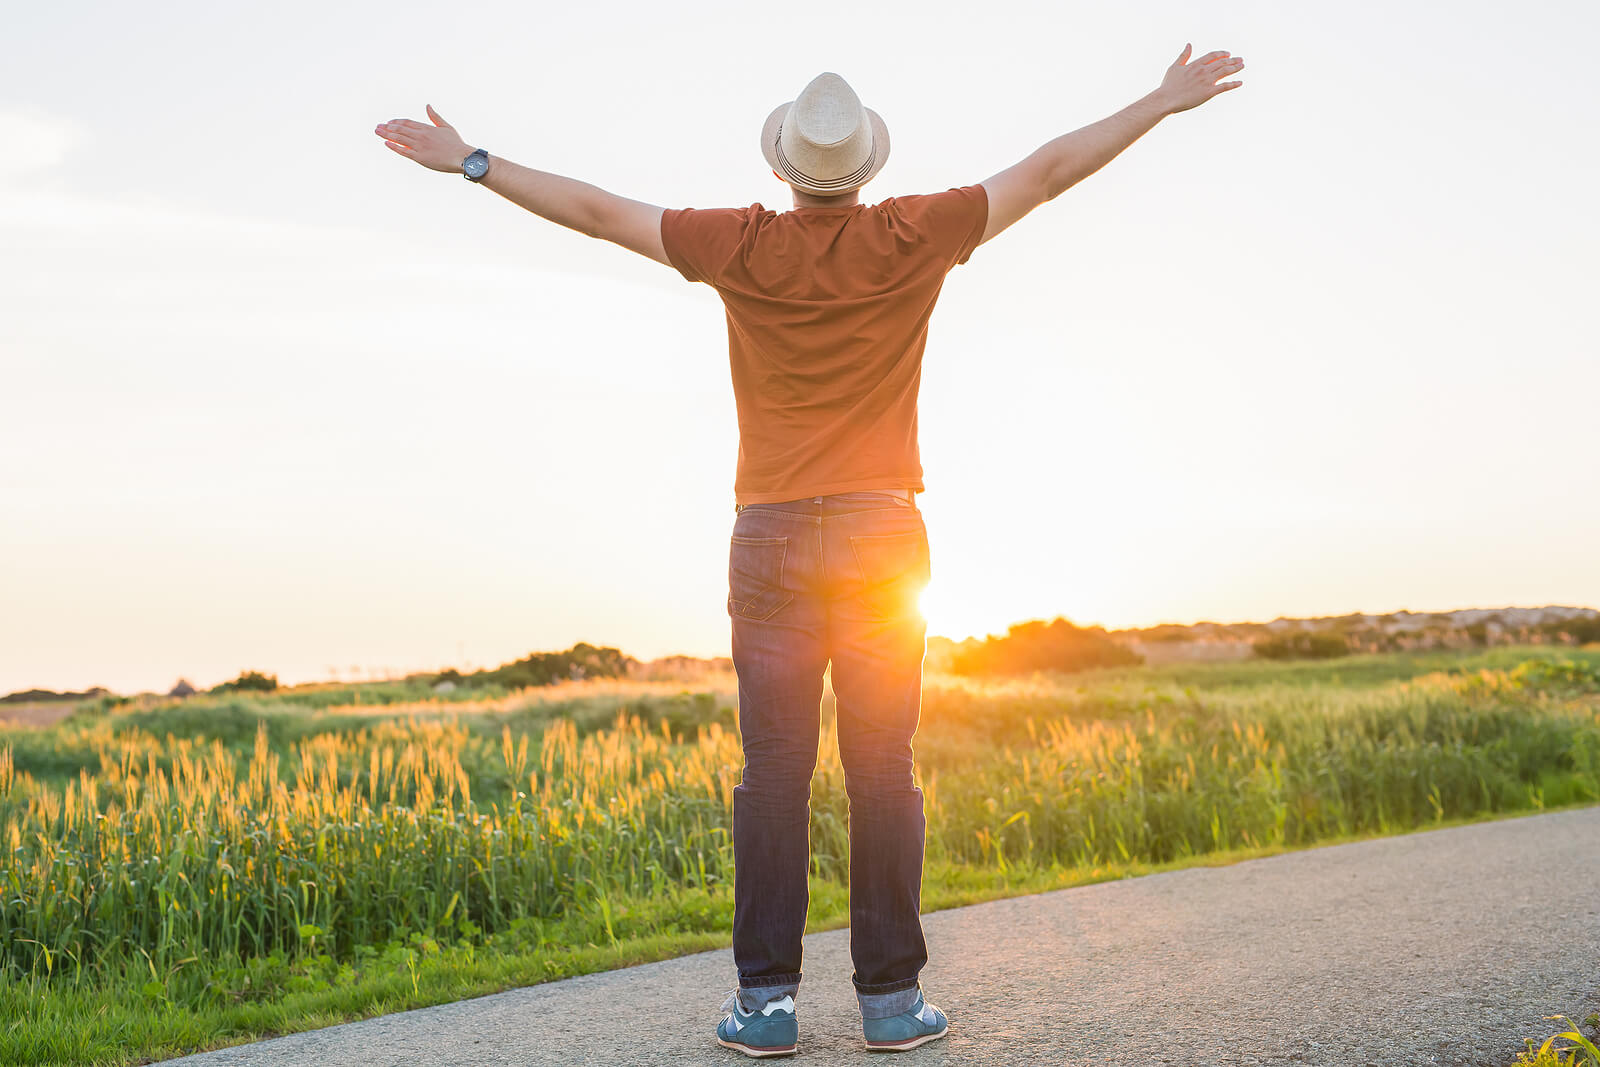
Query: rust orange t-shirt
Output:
(827,318)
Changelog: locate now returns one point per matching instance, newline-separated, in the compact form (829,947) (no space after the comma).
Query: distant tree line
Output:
(1340,637)
(582,660)
(248,682)
(1058,645)
(1582,631)
(33,696)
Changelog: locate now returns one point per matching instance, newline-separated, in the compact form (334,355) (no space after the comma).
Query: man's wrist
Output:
(466,153)
(1159,103)
(497,169)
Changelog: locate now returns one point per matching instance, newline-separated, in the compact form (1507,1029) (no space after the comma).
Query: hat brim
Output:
(769,148)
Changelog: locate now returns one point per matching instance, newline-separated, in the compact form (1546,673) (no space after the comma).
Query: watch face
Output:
(476,165)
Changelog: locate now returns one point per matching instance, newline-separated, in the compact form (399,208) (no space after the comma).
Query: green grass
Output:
(1344,671)
(1568,1048)
(182,876)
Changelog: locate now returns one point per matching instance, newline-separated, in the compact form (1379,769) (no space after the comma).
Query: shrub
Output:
(1302,646)
(1039,646)
(249,681)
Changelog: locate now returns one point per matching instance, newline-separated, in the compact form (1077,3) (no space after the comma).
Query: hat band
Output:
(795,173)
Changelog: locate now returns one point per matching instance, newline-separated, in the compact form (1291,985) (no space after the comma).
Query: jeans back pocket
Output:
(895,569)
(755,576)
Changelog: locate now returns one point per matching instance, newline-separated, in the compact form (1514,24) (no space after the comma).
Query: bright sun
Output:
(960,611)
(944,617)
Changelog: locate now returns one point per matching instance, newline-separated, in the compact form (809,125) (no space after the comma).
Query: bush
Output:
(582,660)
(1557,675)
(1584,631)
(249,681)
(1302,646)
(1037,646)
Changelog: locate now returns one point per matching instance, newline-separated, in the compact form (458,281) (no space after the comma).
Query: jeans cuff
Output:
(756,997)
(883,1005)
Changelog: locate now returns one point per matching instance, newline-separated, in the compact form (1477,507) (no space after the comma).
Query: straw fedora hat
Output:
(824,142)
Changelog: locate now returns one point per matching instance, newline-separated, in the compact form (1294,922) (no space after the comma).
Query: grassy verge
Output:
(115,1024)
(178,877)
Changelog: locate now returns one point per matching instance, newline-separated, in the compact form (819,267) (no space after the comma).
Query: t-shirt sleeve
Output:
(953,220)
(699,241)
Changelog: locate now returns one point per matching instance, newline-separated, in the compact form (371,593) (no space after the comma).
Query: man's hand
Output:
(437,147)
(1189,85)
(1072,157)
(566,201)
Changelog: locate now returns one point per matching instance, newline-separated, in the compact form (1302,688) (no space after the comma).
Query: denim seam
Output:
(798,517)
(822,565)
(886,987)
(888,1005)
(792,515)
(900,503)
(770,980)
(867,511)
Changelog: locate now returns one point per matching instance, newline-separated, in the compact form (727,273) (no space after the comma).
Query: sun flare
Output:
(945,615)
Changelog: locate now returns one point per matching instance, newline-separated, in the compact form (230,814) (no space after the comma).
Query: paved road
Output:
(1444,947)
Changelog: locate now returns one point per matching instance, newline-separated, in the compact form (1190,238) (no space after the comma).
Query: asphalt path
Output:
(1443,947)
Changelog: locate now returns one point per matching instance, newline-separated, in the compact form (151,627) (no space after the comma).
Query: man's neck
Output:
(850,199)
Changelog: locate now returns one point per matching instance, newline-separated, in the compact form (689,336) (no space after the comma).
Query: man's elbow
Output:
(590,223)
(1059,180)
(589,216)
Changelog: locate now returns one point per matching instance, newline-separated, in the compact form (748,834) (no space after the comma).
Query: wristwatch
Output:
(475,166)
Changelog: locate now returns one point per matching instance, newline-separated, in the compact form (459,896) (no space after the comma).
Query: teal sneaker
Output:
(917,1025)
(769,1031)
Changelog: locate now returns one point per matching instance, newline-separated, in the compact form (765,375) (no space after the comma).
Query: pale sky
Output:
(276,398)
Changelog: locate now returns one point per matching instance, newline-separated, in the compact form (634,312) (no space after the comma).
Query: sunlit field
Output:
(178,875)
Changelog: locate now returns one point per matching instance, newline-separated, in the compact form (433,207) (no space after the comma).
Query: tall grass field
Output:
(184,875)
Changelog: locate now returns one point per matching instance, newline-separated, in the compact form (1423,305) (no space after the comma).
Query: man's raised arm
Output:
(1072,157)
(567,201)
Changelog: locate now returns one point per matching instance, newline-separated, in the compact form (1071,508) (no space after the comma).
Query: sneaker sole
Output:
(759,1051)
(910,1042)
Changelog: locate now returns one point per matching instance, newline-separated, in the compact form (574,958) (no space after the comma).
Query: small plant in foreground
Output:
(1582,1053)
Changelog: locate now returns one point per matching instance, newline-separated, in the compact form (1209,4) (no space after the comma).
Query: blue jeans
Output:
(829,578)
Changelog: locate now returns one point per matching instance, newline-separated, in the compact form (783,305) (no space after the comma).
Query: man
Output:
(827,309)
